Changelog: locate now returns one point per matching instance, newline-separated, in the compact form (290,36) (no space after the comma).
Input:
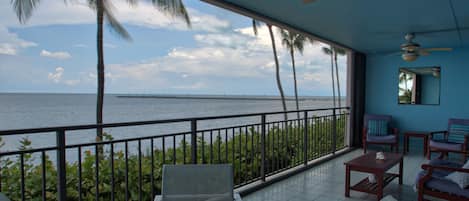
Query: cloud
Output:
(55,55)
(57,75)
(197,85)
(51,12)
(10,43)
(235,55)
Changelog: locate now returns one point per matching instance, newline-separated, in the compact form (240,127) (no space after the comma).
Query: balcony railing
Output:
(261,145)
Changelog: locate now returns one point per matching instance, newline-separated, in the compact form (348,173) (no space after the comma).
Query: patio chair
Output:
(197,183)
(456,138)
(378,130)
(434,181)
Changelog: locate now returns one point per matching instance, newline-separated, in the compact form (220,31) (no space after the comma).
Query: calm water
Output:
(44,110)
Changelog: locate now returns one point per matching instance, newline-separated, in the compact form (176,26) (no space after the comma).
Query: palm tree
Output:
(329,51)
(341,52)
(293,41)
(333,52)
(255,24)
(175,8)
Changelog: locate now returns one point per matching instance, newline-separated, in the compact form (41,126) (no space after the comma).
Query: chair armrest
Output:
(430,168)
(445,134)
(157,198)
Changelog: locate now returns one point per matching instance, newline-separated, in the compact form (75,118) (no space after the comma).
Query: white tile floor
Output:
(326,182)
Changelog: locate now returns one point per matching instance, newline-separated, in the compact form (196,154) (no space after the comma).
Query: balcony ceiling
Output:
(369,26)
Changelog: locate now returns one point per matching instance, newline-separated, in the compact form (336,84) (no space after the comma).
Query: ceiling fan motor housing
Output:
(409,56)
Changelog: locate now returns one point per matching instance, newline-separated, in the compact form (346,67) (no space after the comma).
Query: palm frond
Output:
(299,42)
(339,51)
(255,24)
(327,50)
(24,9)
(174,8)
(132,2)
(113,23)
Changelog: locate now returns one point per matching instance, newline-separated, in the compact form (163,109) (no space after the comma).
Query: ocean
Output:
(19,111)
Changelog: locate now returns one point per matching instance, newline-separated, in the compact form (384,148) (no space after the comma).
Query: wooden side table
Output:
(418,134)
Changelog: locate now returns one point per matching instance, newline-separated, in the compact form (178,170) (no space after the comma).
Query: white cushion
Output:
(460,178)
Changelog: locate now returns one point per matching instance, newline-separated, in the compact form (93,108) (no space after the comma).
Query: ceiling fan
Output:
(411,50)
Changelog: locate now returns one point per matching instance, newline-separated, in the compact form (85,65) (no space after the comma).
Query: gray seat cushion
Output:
(445,145)
(439,182)
(382,139)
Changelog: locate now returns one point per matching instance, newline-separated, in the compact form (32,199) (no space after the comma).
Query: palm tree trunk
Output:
(100,69)
(277,71)
(332,74)
(337,78)
(292,54)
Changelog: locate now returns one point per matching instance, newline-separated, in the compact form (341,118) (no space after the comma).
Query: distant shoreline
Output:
(189,96)
(212,97)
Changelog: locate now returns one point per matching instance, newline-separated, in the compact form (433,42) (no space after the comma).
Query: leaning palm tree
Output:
(293,41)
(175,8)
(341,52)
(330,51)
(255,24)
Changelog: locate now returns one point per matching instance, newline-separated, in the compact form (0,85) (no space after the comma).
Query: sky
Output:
(55,52)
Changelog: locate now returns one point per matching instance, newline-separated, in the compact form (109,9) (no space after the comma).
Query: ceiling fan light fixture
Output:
(410,46)
(409,56)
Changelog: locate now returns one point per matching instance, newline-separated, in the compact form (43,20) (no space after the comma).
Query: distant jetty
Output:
(213,97)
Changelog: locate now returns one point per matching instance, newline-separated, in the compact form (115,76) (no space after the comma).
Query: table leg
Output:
(401,171)
(347,181)
(379,179)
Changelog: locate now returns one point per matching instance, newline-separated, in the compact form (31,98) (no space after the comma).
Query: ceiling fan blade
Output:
(437,49)
(424,52)
(309,1)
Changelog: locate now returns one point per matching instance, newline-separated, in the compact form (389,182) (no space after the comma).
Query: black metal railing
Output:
(130,168)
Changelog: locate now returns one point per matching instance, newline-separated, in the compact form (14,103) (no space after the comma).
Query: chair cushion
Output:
(457,132)
(445,145)
(377,127)
(460,178)
(382,139)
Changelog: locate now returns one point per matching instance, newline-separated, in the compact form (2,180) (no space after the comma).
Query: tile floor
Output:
(326,182)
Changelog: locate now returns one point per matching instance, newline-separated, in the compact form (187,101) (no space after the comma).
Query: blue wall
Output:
(382,88)
(430,90)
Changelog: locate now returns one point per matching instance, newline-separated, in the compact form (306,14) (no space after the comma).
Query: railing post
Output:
(334,131)
(263,147)
(61,166)
(305,141)
(194,141)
